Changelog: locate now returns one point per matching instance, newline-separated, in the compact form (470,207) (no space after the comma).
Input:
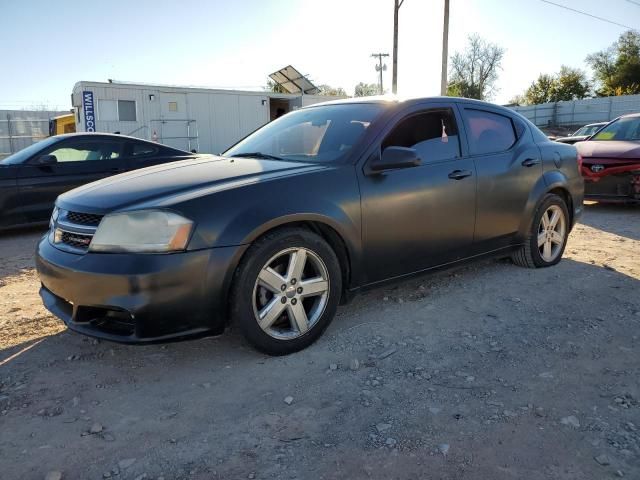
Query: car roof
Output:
(630,115)
(407,101)
(396,101)
(116,136)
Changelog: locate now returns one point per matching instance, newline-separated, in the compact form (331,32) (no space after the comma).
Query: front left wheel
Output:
(286,291)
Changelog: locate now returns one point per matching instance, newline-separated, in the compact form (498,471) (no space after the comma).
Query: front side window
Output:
(86,151)
(623,129)
(317,134)
(488,132)
(433,134)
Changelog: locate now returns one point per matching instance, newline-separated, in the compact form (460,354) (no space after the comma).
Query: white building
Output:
(201,119)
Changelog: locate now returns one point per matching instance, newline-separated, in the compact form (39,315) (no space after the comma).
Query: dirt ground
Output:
(488,372)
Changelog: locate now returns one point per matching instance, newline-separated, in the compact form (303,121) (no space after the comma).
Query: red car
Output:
(611,161)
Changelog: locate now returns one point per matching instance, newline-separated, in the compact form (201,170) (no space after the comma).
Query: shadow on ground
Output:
(465,374)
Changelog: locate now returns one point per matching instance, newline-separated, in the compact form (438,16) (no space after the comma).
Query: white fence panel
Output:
(580,112)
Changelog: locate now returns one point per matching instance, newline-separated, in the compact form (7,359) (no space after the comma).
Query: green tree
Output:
(617,69)
(568,84)
(474,71)
(540,91)
(274,87)
(517,100)
(571,84)
(330,91)
(366,89)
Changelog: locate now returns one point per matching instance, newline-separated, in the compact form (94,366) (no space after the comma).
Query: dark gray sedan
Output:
(321,203)
(32,179)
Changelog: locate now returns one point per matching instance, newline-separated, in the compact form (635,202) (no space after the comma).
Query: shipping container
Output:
(200,119)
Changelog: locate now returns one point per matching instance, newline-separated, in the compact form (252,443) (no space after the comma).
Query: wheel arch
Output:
(550,182)
(317,224)
(558,183)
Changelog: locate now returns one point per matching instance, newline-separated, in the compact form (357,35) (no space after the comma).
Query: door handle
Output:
(116,170)
(530,162)
(459,174)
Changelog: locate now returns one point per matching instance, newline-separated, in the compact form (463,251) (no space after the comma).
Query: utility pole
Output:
(445,49)
(380,67)
(394,81)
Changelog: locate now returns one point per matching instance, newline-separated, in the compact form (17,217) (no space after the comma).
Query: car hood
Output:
(609,149)
(157,185)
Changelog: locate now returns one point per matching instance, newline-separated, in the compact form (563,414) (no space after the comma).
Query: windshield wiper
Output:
(256,155)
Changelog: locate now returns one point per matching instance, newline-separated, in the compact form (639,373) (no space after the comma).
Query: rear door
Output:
(508,165)
(419,217)
(79,161)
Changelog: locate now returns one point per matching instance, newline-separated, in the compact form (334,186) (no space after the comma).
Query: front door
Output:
(419,217)
(77,162)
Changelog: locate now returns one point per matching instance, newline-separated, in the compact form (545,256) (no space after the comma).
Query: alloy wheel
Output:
(551,233)
(290,293)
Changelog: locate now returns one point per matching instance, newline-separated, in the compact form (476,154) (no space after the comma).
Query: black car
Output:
(314,206)
(32,179)
(582,133)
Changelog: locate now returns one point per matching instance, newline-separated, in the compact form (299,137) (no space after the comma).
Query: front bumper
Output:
(137,298)
(615,182)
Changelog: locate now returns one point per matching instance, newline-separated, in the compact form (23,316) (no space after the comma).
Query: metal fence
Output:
(580,112)
(21,128)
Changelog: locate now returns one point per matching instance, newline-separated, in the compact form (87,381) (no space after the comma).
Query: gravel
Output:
(214,408)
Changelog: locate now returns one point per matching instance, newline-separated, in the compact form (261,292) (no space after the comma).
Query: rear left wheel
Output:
(286,291)
(548,234)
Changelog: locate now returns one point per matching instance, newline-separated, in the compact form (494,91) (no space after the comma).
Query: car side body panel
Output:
(328,196)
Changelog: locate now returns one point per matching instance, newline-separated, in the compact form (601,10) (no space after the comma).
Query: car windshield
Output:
(587,130)
(317,134)
(26,153)
(624,129)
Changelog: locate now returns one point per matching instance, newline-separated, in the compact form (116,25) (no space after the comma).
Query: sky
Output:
(46,47)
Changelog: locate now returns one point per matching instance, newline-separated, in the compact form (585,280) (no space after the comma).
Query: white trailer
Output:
(200,119)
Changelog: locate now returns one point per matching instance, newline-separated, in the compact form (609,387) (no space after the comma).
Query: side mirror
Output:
(396,157)
(46,160)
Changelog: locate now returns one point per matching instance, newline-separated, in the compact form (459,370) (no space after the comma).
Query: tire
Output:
(531,255)
(268,299)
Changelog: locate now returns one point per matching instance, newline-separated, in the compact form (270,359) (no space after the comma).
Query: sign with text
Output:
(89,109)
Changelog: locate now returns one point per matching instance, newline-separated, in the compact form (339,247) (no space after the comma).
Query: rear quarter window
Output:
(144,150)
(488,132)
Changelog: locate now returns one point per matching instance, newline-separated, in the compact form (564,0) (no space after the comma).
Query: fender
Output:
(550,180)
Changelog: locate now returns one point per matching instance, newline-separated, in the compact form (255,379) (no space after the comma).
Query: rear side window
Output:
(433,134)
(144,150)
(488,132)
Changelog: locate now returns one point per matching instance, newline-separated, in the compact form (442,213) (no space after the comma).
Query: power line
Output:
(589,15)
(635,3)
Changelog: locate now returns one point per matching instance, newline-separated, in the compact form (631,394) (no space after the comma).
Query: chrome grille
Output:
(73,231)
(76,240)
(84,218)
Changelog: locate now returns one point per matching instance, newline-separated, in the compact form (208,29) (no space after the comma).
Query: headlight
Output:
(143,231)
(54,217)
